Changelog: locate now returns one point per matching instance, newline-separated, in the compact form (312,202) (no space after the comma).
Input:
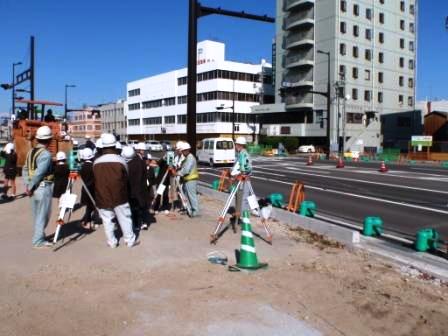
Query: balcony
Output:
(300,39)
(303,101)
(299,19)
(302,58)
(299,79)
(293,4)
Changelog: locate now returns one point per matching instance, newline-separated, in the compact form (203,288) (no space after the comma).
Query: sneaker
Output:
(135,243)
(144,226)
(44,245)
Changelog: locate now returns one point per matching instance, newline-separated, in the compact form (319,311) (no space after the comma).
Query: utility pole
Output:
(13,111)
(32,78)
(65,99)
(195,12)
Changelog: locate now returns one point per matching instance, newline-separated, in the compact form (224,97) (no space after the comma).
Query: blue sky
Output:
(99,45)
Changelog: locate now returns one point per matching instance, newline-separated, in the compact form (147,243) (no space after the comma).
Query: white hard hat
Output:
(44,133)
(179,144)
(61,156)
(75,142)
(118,145)
(86,154)
(87,136)
(184,146)
(241,141)
(128,152)
(9,147)
(99,143)
(108,140)
(148,156)
(140,146)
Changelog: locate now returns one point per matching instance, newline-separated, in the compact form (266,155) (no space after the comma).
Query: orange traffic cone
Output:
(310,161)
(383,168)
(340,163)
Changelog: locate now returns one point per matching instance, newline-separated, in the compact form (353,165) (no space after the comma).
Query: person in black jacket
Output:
(61,173)
(87,177)
(138,190)
(10,169)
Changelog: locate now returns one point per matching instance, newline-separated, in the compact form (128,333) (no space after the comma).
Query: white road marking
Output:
(408,205)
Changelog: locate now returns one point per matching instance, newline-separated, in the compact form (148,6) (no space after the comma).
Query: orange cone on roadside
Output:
(383,168)
(310,161)
(340,163)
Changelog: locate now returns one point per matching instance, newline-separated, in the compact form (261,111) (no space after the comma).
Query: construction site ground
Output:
(166,285)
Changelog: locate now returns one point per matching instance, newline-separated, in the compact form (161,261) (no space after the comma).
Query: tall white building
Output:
(156,106)
(113,119)
(372,46)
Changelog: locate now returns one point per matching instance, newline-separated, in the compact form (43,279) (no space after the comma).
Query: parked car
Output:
(306,149)
(216,151)
(166,145)
(153,146)
(132,143)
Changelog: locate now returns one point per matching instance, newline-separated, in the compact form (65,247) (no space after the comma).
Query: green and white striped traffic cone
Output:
(248,255)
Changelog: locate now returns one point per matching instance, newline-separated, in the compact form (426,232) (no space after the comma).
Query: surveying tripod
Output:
(161,189)
(67,202)
(243,180)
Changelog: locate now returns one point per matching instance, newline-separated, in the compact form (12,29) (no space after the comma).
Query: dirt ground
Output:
(166,286)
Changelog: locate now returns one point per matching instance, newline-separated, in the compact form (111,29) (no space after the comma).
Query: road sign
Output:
(421,140)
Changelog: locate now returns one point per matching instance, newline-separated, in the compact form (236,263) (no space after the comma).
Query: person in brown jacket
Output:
(111,192)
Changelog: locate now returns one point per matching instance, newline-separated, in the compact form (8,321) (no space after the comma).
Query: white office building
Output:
(372,53)
(156,106)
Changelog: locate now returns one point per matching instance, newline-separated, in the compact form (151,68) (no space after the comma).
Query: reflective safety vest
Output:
(31,163)
(193,175)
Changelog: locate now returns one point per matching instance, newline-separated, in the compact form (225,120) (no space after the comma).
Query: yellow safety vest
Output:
(194,174)
(31,163)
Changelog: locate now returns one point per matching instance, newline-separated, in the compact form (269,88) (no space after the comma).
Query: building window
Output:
(412,27)
(354,118)
(181,118)
(182,99)
(342,49)
(381,17)
(402,43)
(133,122)
(355,51)
(381,57)
(342,69)
(367,75)
(411,45)
(343,27)
(410,101)
(355,30)
(368,54)
(382,2)
(381,37)
(135,106)
(152,121)
(134,92)
(401,80)
(171,119)
(411,83)
(402,24)
(343,6)
(367,95)
(402,6)
(356,10)
(368,34)
(401,62)
(355,73)
(368,13)
(411,64)
(380,97)
(400,99)
(355,94)
(412,9)
(380,77)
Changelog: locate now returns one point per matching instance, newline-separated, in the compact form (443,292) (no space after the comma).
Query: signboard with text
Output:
(421,140)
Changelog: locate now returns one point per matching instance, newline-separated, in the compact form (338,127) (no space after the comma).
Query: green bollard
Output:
(277,200)
(215,184)
(426,239)
(373,226)
(308,209)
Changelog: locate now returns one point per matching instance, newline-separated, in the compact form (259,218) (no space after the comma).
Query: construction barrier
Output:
(427,239)
(225,181)
(373,226)
(277,200)
(296,197)
(308,209)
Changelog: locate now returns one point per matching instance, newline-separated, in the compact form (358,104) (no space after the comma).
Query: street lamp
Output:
(13,86)
(65,105)
(344,119)
(328,96)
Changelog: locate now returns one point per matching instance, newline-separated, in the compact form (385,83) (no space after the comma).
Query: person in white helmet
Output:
(9,169)
(86,173)
(61,173)
(243,166)
(138,189)
(190,175)
(38,178)
(111,192)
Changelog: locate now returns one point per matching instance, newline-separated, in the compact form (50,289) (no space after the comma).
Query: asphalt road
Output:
(407,198)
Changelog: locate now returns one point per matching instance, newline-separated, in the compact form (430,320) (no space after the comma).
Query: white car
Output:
(153,146)
(306,149)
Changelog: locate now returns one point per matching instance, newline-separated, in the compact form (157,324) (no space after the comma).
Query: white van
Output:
(216,151)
